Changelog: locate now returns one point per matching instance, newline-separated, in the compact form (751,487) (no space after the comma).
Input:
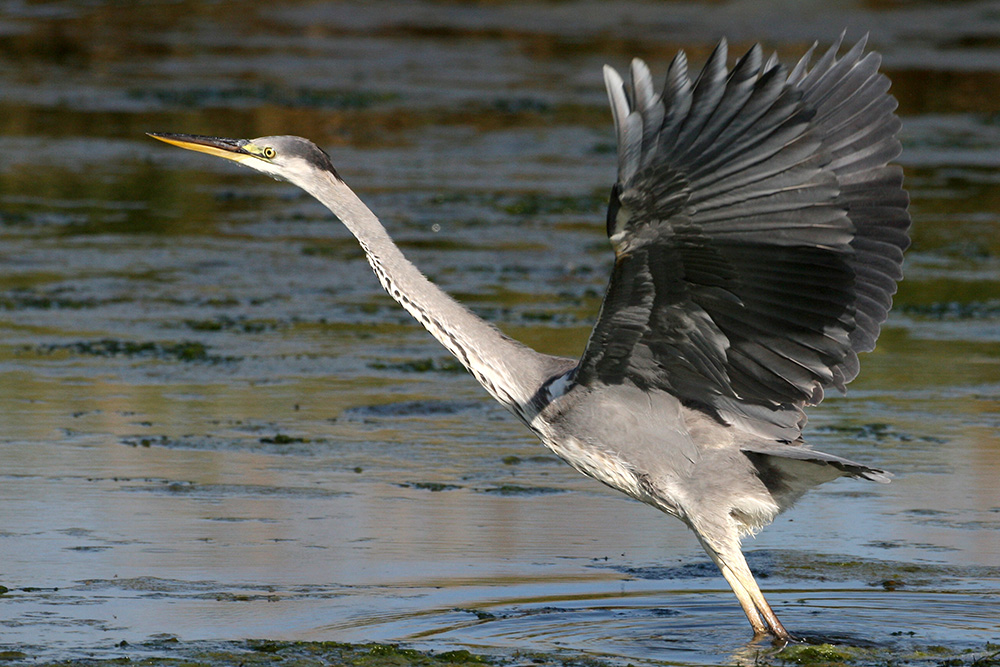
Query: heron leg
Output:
(734,568)
(746,600)
(741,579)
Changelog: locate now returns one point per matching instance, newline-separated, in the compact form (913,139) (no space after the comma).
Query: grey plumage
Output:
(758,236)
(759,242)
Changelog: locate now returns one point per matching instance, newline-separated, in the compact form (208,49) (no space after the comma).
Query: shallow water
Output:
(215,426)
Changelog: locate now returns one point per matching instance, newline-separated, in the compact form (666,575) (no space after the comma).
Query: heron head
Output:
(286,158)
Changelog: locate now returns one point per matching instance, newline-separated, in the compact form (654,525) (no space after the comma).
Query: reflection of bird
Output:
(758,238)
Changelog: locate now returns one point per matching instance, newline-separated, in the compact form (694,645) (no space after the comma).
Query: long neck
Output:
(510,371)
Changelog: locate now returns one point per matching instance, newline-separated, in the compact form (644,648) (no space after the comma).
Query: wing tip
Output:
(876,475)
(615,86)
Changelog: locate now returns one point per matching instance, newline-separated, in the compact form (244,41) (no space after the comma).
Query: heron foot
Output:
(778,639)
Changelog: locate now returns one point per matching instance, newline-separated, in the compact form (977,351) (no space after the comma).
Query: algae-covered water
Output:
(219,439)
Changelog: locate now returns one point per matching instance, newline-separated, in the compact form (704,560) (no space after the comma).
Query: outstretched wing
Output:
(758,233)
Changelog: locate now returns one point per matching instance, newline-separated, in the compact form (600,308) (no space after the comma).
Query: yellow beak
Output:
(231,149)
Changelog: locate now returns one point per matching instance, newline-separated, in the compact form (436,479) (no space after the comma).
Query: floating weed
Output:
(833,655)
(794,565)
(513,460)
(478,613)
(538,203)
(876,431)
(522,105)
(460,656)
(529,203)
(158,441)
(53,299)
(405,409)
(279,443)
(282,439)
(517,490)
(220,491)
(335,250)
(426,365)
(168,651)
(604,148)
(822,654)
(700,569)
(953,310)
(225,323)
(431,486)
(190,351)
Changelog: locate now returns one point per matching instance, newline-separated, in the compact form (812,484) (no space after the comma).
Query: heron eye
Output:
(269,152)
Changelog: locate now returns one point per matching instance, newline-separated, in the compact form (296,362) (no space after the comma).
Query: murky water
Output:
(213,424)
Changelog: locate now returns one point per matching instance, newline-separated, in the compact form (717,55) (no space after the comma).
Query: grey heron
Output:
(758,233)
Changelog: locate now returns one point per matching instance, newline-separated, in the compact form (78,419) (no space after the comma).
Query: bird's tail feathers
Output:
(789,471)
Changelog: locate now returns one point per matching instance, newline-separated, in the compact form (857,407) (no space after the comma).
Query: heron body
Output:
(758,233)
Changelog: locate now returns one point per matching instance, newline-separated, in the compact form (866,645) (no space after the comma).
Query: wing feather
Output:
(708,91)
(758,231)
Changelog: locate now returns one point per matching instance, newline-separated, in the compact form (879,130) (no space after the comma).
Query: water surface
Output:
(215,426)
